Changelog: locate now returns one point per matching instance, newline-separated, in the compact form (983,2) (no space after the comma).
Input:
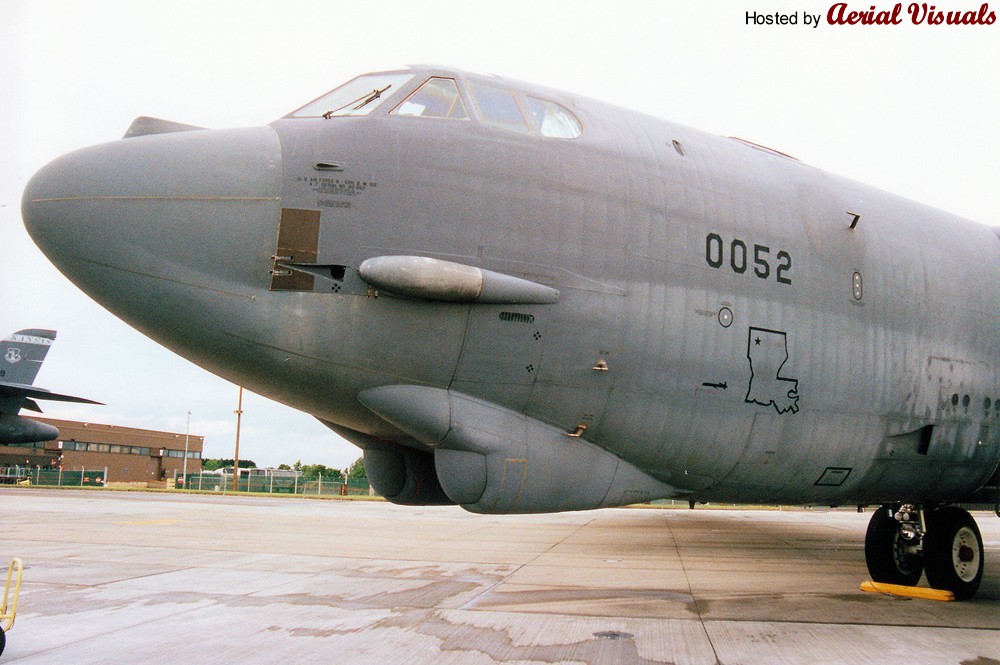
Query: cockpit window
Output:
(499,107)
(554,120)
(437,98)
(360,96)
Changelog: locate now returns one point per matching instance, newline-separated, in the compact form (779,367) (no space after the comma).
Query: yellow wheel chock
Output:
(907,591)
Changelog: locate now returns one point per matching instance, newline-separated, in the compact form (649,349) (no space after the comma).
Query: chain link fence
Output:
(26,476)
(330,485)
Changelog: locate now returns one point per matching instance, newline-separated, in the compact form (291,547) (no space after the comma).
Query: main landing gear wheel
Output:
(890,552)
(953,551)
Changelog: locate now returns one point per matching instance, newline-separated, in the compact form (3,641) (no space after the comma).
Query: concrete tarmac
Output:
(168,578)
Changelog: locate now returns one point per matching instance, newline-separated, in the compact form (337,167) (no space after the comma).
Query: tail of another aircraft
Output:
(21,357)
(22,353)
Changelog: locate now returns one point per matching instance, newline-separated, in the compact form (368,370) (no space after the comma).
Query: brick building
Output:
(131,455)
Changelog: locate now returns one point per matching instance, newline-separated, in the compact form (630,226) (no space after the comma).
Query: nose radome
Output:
(165,205)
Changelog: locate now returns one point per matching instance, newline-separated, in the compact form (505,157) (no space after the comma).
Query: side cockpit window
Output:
(437,98)
(491,103)
(554,120)
(499,107)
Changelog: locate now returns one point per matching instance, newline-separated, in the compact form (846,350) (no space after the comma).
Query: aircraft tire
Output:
(953,552)
(884,552)
(3,641)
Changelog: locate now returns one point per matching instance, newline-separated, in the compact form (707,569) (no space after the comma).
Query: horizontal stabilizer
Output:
(30,392)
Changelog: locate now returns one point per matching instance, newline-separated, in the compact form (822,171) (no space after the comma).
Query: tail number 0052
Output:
(741,258)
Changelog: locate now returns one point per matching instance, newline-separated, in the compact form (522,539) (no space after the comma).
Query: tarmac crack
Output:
(693,606)
(525,564)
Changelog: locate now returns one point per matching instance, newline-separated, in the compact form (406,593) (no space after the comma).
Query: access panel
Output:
(298,240)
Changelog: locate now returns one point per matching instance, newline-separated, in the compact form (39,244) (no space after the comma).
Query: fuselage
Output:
(731,322)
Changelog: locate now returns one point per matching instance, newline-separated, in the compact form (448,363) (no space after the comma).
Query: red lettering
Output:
(985,16)
(839,10)
(921,13)
(838,15)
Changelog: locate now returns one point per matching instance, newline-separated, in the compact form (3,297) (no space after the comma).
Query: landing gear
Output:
(953,551)
(892,549)
(945,543)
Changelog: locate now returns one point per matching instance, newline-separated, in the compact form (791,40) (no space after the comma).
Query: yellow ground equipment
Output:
(907,591)
(8,610)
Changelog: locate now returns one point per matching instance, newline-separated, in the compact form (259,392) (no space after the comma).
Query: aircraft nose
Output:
(171,206)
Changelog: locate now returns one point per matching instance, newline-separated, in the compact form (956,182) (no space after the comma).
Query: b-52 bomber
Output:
(519,300)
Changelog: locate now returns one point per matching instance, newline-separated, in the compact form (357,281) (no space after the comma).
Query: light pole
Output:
(236,454)
(187,434)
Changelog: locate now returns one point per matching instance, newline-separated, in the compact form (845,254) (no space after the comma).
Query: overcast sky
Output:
(911,109)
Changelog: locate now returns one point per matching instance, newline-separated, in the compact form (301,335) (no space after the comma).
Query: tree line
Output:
(355,471)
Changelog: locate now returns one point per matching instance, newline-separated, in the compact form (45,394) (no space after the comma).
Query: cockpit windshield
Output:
(437,98)
(446,95)
(359,96)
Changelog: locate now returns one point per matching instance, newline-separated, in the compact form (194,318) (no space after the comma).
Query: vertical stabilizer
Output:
(22,353)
